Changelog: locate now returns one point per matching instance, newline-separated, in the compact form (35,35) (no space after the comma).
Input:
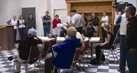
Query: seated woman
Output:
(89,30)
(65,52)
(63,31)
(106,45)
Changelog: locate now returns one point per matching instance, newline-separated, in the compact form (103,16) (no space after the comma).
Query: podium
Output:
(6,37)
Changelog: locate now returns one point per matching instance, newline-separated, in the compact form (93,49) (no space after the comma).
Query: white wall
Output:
(28,3)
(8,8)
(41,7)
(57,5)
(4,11)
(15,8)
(134,2)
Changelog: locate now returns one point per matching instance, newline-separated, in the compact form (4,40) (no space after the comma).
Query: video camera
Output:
(120,6)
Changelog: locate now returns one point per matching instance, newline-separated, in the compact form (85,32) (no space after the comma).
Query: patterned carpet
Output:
(110,67)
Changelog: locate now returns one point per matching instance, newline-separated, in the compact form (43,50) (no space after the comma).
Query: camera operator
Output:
(123,24)
(116,21)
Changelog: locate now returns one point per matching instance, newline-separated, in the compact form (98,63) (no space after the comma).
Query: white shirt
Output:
(123,25)
(77,20)
(69,20)
(104,18)
(116,17)
(14,23)
(20,23)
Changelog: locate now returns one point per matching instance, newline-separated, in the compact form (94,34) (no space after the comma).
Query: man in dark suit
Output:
(95,20)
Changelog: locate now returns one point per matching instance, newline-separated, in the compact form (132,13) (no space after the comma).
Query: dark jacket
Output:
(131,41)
(63,32)
(31,23)
(86,20)
(65,52)
(95,21)
(24,47)
(89,32)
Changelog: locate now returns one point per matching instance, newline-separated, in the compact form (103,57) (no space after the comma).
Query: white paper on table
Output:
(60,39)
(46,38)
(86,39)
(95,39)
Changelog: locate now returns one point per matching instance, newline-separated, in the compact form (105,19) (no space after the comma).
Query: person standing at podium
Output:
(14,23)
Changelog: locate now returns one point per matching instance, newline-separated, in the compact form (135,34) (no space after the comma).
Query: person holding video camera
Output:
(122,20)
(116,23)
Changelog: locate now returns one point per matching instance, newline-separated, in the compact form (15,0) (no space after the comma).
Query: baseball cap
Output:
(60,26)
(32,32)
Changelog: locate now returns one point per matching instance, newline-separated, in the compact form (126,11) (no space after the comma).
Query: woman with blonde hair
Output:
(65,52)
(106,45)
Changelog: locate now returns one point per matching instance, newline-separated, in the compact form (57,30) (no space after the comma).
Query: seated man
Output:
(65,52)
(89,30)
(63,31)
(24,48)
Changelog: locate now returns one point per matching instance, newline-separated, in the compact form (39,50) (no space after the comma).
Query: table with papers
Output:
(93,39)
(61,39)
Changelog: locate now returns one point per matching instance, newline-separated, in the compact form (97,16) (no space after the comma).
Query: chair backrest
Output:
(46,48)
(76,57)
(94,34)
(115,42)
(33,55)
(86,43)
(53,42)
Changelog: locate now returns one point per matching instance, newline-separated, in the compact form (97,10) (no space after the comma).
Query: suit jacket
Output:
(31,23)
(95,21)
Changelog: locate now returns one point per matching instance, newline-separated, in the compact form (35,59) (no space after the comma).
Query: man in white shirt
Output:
(69,20)
(104,20)
(77,21)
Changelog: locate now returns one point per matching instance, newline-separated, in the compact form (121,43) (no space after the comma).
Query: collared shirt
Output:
(104,18)
(77,20)
(69,20)
(46,18)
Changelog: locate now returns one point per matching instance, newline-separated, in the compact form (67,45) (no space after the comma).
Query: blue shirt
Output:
(46,18)
(119,20)
(65,52)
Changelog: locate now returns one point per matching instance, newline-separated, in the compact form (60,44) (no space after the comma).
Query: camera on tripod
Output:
(120,6)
